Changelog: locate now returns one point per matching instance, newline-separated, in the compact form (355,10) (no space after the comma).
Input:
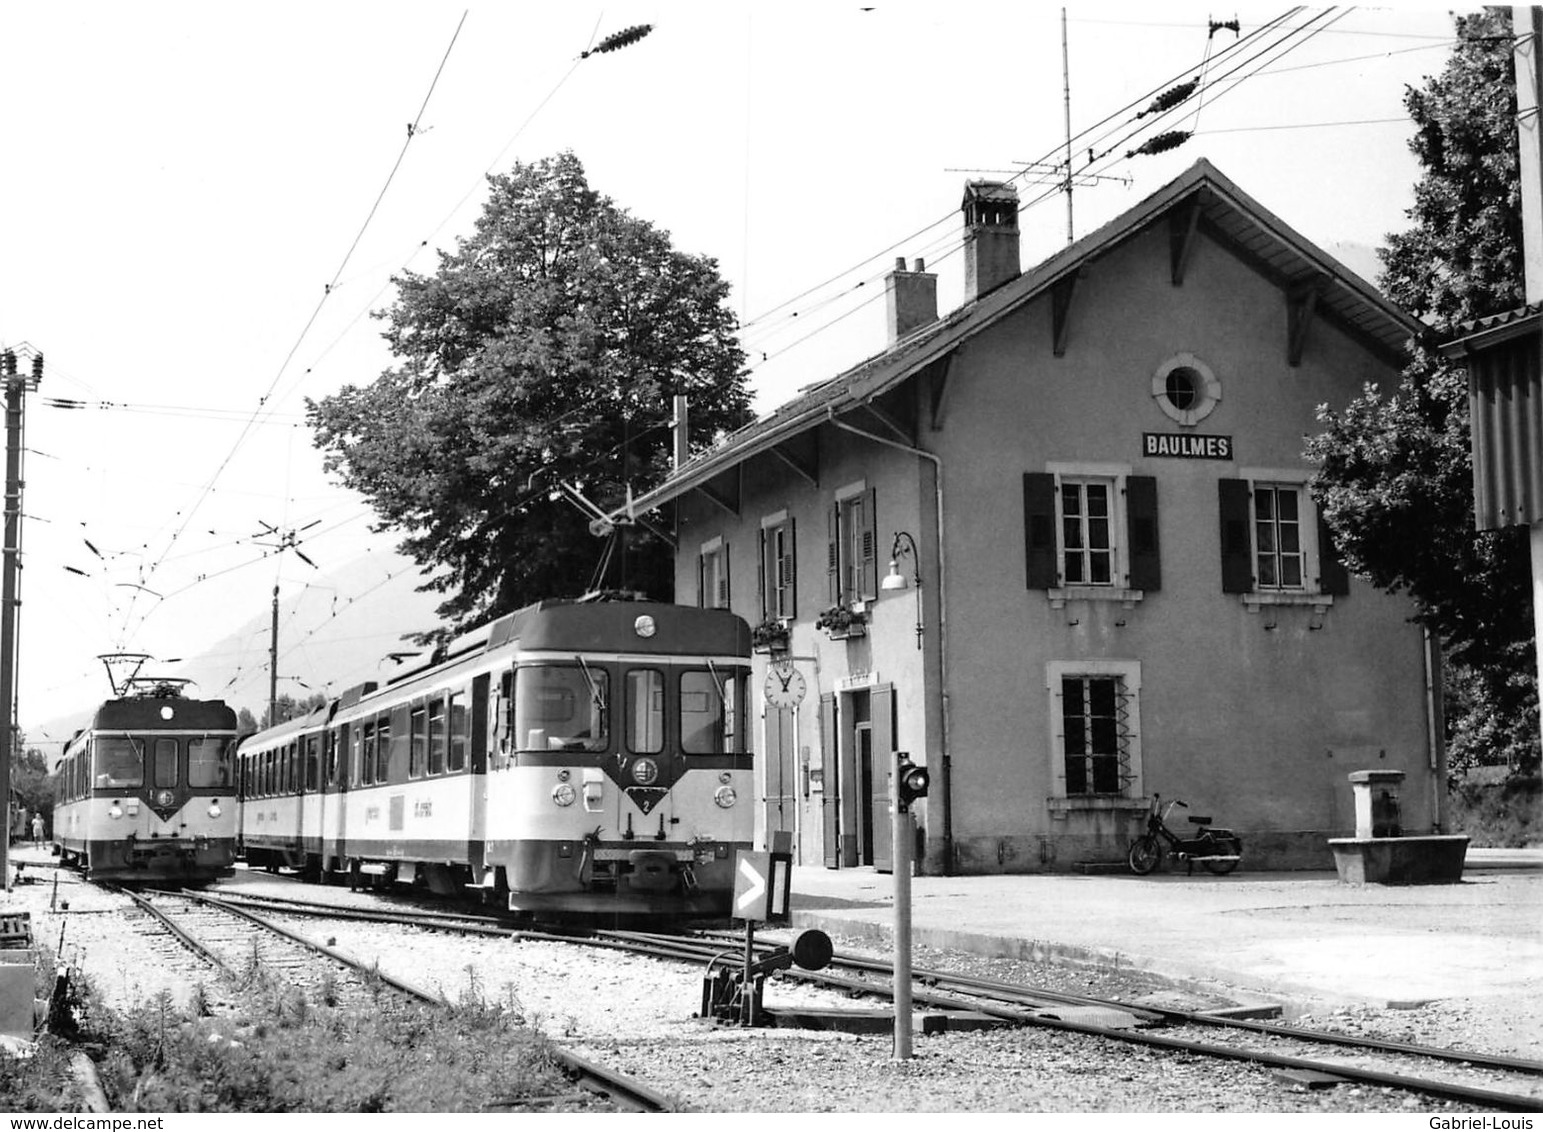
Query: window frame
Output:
(1323,576)
(1128,674)
(713,591)
(662,714)
(852,547)
(779,567)
(1125,554)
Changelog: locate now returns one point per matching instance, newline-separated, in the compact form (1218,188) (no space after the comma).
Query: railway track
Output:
(1314,1056)
(220,932)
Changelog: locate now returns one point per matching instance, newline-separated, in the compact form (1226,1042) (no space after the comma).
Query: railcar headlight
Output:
(725,796)
(645,772)
(214,810)
(115,811)
(564,794)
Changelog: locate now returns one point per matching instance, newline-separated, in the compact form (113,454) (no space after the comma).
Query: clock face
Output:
(785,687)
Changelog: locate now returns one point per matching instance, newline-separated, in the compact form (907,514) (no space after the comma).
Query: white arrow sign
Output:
(756,886)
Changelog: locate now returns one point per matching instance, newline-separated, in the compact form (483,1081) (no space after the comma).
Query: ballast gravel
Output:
(639,1016)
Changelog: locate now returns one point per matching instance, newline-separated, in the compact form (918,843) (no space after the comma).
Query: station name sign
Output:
(1189,446)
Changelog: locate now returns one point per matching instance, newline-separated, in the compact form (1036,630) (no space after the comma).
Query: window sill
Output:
(1060,596)
(1090,802)
(1256,598)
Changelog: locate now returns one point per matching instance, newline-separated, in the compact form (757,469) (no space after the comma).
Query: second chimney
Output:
(990,236)
(910,298)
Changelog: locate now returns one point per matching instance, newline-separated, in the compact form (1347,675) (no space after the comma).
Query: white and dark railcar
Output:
(571,757)
(147,792)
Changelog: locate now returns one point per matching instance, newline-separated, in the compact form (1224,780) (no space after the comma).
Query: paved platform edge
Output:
(1247,989)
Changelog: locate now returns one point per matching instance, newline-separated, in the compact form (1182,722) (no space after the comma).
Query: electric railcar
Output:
(147,792)
(585,757)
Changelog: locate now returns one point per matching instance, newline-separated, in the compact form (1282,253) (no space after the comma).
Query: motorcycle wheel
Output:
(1144,855)
(1222,868)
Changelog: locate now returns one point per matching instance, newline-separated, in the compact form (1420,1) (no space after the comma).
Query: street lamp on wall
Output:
(905,546)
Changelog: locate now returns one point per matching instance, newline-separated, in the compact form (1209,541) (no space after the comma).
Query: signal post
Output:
(908,782)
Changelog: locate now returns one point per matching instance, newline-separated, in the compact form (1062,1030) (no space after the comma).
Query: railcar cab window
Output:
(209,762)
(645,711)
(710,715)
(117,762)
(561,707)
(165,773)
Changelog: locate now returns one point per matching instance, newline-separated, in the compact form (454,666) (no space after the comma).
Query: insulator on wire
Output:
(624,38)
(1160,143)
(1171,97)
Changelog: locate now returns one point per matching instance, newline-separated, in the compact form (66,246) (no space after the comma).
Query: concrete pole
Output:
(900,860)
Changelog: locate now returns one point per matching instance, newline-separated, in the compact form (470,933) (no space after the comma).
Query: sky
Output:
(202,205)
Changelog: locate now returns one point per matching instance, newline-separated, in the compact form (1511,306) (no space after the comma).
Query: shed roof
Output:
(1225,213)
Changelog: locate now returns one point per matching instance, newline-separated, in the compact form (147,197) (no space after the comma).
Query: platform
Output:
(1304,938)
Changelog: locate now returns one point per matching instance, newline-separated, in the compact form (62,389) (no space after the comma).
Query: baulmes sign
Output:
(1189,446)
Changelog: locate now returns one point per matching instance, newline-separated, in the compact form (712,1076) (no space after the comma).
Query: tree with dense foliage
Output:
(31,785)
(542,355)
(1396,481)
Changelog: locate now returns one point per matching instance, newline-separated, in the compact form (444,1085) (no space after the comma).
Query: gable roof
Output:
(1221,209)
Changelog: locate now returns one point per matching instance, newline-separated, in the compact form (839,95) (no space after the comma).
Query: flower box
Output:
(842,623)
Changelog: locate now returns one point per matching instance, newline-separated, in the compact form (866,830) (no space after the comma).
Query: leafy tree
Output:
(1396,477)
(288,708)
(31,785)
(543,352)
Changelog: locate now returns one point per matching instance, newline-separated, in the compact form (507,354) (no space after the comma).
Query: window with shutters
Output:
(713,575)
(1095,723)
(1276,548)
(852,556)
(779,594)
(1091,532)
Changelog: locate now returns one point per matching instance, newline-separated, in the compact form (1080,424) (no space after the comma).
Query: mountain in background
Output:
(334,632)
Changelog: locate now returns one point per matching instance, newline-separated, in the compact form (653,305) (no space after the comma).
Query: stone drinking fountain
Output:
(1380,852)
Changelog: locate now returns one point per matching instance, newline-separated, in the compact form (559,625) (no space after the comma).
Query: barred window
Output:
(1095,728)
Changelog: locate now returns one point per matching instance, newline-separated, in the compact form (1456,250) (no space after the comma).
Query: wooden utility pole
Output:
(16,387)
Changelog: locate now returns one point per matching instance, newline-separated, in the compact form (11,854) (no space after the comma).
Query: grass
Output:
(285,1052)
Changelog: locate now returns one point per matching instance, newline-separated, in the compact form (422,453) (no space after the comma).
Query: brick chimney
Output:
(910,298)
(990,236)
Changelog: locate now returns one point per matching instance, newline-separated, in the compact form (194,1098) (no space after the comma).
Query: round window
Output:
(1185,389)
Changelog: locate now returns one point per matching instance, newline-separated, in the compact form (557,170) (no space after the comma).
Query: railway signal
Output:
(911,782)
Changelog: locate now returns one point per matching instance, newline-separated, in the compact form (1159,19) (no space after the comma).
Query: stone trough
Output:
(1380,853)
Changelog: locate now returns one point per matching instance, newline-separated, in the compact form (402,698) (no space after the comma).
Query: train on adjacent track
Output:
(571,758)
(147,792)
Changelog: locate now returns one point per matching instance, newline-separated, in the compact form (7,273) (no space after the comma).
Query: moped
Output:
(1219,850)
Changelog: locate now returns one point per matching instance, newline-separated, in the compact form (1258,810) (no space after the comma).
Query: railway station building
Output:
(1058,546)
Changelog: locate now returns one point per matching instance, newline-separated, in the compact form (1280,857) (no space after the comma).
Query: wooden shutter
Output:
(1146,572)
(833,553)
(788,570)
(701,581)
(1237,544)
(830,800)
(1039,530)
(768,602)
(723,576)
(1333,577)
(870,564)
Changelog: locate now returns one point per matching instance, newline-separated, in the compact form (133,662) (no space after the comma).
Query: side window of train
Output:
(367,753)
(460,732)
(418,741)
(382,749)
(437,735)
(313,762)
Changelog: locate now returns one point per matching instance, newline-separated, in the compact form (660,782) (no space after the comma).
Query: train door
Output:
(335,825)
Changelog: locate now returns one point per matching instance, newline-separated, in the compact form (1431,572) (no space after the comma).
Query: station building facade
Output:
(1058,546)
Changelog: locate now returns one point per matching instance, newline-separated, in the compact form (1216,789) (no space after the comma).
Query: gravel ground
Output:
(638,1015)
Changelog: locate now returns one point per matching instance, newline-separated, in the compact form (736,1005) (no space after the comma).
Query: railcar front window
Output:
(209,762)
(702,730)
(559,707)
(645,711)
(165,762)
(117,762)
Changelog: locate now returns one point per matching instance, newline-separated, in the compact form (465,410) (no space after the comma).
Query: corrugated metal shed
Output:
(1504,355)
